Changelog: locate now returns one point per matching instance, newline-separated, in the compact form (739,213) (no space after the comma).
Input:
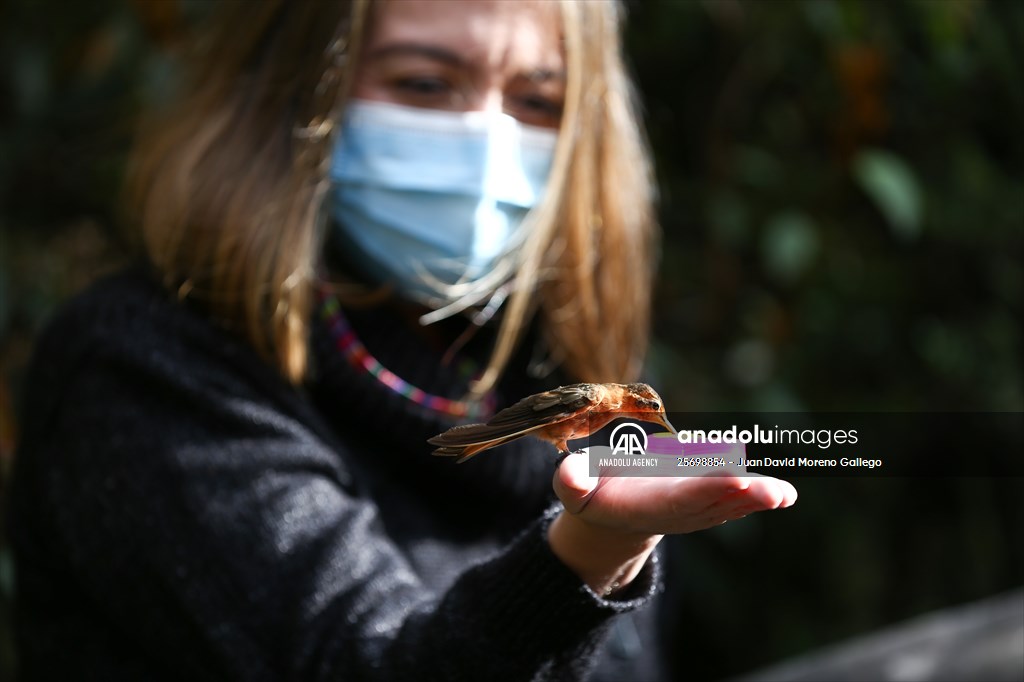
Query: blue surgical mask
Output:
(430,201)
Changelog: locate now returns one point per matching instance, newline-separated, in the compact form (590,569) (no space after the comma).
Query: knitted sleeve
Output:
(218,535)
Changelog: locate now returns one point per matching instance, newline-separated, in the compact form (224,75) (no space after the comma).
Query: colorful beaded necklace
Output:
(355,352)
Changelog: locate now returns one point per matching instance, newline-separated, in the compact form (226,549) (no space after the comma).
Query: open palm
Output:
(665,505)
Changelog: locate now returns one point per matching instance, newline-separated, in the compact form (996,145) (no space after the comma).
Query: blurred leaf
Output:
(789,245)
(892,186)
(945,348)
(824,16)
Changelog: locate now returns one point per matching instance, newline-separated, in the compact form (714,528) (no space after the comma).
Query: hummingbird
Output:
(556,416)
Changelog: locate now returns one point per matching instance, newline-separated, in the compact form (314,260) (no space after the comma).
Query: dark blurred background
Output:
(842,195)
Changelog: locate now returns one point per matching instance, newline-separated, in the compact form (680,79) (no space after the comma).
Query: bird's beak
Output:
(663,420)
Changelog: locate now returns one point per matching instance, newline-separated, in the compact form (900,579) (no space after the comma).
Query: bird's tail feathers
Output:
(465,452)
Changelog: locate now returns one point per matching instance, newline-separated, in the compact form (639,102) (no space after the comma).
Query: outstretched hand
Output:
(664,505)
(612,524)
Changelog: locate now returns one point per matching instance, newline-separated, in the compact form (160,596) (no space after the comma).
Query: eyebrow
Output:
(446,56)
(434,52)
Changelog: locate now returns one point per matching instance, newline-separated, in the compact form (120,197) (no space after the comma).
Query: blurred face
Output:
(467,55)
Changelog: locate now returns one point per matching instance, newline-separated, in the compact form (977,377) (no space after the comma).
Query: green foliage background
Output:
(842,195)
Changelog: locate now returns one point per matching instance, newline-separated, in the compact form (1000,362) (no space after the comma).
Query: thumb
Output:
(573,483)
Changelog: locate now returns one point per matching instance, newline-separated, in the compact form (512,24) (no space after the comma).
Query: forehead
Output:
(512,34)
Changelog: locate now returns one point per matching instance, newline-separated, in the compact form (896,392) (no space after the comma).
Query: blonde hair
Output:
(228,186)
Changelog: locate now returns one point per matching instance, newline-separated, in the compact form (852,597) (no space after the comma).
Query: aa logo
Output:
(629,439)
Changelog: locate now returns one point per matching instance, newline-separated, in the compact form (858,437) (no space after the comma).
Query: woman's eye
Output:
(537,110)
(541,105)
(423,86)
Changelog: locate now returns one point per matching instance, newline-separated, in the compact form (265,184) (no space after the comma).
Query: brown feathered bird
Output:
(557,416)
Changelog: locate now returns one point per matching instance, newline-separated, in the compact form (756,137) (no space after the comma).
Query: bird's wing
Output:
(529,414)
(549,406)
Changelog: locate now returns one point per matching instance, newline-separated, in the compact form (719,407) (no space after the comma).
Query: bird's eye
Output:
(656,405)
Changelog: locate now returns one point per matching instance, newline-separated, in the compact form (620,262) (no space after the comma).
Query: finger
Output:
(772,493)
(749,494)
(710,489)
(573,483)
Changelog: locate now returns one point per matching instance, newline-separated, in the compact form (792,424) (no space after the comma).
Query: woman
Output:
(224,472)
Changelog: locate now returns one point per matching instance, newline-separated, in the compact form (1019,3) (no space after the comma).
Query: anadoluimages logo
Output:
(628,439)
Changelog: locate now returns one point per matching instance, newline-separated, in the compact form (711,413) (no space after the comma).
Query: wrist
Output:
(606,559)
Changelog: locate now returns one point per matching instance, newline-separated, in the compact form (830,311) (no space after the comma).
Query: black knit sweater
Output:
(178,511)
